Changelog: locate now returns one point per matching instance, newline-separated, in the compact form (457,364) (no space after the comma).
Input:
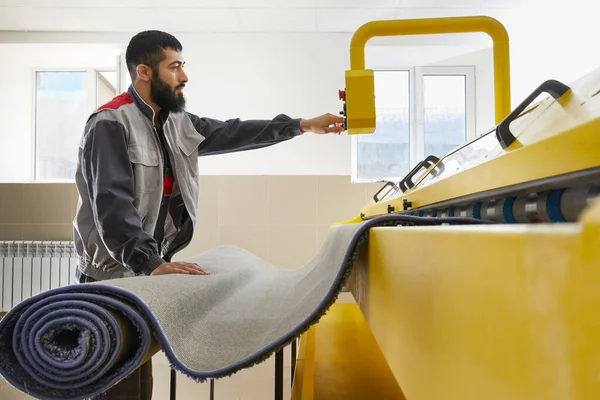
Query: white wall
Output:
(260,75)
(246,76)
(550,39)
(231,75)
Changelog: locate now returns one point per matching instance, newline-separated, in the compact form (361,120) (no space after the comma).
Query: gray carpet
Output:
(80,340)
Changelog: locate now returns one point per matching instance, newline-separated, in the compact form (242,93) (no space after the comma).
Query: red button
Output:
(342,94)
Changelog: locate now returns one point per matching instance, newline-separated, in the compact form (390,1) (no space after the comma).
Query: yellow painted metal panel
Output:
(360,104)
(303,387)
(347,362)
(489,312)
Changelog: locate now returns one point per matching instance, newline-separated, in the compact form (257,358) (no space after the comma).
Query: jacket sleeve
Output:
(237,135)
(109,179)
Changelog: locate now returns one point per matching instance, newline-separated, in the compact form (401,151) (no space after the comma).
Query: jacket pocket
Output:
(146,169)
(190,160)
(139,154)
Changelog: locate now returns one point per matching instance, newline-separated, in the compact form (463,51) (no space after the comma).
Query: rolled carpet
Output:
(78,341)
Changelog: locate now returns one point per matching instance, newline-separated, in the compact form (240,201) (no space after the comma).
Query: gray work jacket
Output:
(120,180)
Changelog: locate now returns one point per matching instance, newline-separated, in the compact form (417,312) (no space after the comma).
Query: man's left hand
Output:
(326,123)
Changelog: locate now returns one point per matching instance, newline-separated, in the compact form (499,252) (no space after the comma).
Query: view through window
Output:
(63,102)
(385,152)
(445,113)
(419,112)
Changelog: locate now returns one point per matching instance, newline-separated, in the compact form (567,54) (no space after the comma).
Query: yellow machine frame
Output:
(359,95)
(478,311)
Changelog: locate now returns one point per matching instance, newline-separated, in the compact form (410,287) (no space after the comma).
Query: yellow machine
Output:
(502,310)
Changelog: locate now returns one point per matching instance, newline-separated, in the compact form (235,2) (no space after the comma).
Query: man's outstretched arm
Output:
(237,135)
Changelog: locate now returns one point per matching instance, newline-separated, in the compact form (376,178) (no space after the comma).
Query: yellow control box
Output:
(360,101)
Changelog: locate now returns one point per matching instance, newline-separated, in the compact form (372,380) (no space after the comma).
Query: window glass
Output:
(385,153)
(60,115)
(444,113)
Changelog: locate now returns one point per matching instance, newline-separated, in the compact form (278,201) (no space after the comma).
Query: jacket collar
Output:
(145,107)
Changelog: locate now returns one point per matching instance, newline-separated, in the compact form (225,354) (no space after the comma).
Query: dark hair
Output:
(148,48)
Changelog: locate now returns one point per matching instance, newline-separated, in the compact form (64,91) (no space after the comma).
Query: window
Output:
(106,86)
(419,112)
(386,152)
(63,102)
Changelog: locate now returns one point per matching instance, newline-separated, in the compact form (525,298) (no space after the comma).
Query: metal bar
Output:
(173,384)
(293,367)
(434,26)
(279,375)
(212,389)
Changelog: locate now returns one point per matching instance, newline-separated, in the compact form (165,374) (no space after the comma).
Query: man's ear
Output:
(144,72)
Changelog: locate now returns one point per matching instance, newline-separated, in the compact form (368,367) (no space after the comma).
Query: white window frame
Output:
(98,70)
(416,111)
(470,100)
(123,78)
(92,96)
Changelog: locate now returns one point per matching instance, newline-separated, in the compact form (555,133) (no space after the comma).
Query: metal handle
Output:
(447,25)
(407,182)
(375,196)
(553,87)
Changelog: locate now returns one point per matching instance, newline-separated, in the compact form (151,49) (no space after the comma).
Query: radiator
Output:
(30,267)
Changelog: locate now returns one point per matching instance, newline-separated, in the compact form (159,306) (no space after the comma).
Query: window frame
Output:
(416,111)
(98,71)
(470,100)
(91,100)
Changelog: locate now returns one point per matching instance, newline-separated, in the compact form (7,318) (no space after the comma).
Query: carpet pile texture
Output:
(78,341)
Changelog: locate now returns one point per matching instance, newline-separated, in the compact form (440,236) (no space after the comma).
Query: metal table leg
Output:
(279,375)
(293,368)
(173,384)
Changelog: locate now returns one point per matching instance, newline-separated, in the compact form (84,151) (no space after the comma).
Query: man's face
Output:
(166,87)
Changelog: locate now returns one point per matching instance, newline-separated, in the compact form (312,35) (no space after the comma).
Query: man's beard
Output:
(165,97)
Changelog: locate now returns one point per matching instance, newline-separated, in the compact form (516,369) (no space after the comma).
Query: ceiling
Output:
(213,16)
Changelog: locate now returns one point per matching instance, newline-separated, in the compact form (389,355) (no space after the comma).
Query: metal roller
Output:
(445,213)
(575,199)
(531,208)
(469,211)
(498,210)
(557,205)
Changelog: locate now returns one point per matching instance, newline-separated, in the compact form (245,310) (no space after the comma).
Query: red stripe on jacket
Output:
(117,102)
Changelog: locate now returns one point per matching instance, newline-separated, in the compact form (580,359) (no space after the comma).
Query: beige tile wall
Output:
(283,219)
